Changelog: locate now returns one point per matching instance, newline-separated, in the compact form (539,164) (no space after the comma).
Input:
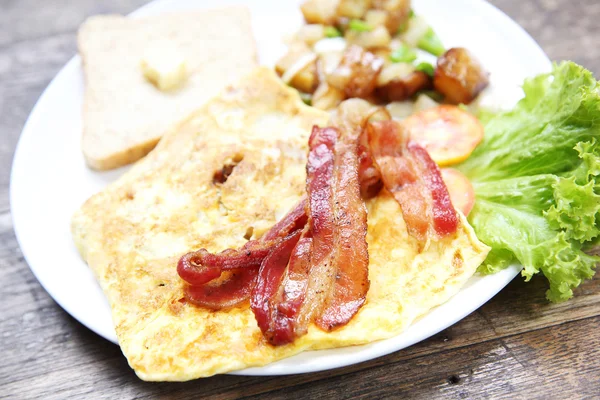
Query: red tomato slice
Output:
(460,189)
(447,132)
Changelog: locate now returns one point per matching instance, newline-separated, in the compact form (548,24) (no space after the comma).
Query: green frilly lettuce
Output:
(537,181)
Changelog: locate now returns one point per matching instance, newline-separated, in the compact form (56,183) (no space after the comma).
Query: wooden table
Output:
(516,346)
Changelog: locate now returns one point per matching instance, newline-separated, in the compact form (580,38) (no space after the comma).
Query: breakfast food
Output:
(379,51)
(144,75)
(210,183)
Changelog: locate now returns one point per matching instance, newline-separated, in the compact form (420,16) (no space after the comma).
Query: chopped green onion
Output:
(331,32)
(431,43)
(432,94)
(359,26)
(425,67)
(403,54)
(402,28)
(306,98)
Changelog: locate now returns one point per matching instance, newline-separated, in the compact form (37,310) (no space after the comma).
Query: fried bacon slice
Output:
(225,294)
(200,267)
(292,294)
(309,277)
(414,179)
(350,258)
(267,286)
(368,174)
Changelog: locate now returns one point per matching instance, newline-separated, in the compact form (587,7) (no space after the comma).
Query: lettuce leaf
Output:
(537,181)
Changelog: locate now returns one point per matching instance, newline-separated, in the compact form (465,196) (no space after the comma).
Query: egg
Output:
(133,233)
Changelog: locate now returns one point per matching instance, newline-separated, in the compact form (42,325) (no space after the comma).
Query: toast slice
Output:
(124,114)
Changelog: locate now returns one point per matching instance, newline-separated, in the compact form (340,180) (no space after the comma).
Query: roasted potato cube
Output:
(356,75)
(384,54)
(319,11)
(302,65)
(459,76)
(327,97)
(400,81)
(377,38)
(403,88)
(306,80)
(311,33)
(353,8)
(376,18)
(397,11)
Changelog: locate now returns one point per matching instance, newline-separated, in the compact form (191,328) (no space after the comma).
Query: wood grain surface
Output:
(517,346)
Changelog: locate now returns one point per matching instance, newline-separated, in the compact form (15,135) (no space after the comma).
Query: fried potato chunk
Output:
(397,12)
(353,8)
(306,79)
(459,76)
(320,11)
(400,81)
(357,73)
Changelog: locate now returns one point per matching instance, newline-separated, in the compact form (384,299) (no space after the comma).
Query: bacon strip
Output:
(368,174)
(350,257)
(445,219)
(200,267)
(293,221)
(232,292)
(269,279)
(315,273)
(326,280)
(276,308)
(414,180)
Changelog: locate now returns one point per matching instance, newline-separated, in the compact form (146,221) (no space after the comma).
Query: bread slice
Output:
(124,115)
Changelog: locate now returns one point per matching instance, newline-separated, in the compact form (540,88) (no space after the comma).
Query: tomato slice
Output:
(460,188)
(447,132)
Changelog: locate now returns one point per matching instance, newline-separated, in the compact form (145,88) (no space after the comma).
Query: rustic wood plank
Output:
(28,21)
(565,30)
(535,365)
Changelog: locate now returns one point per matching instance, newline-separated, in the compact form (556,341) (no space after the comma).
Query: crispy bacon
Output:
(200,267)
(350,258)
(293,293)
(294,220)
(368,174)
(268,282)
(276,308)
(414,179)
(229,293)
(319,188)
(326,279)
(445,219)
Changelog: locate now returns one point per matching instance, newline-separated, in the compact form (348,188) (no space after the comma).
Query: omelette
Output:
(133,233)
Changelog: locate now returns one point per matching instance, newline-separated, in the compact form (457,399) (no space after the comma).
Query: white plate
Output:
(50,180)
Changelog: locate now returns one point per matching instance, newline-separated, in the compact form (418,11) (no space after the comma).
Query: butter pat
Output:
(164,67)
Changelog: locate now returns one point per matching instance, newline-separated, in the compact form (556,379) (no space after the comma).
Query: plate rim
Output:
(272,369)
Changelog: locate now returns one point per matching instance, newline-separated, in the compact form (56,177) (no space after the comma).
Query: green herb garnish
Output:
(331,32)
(359,26)
(425,67)
(403,54)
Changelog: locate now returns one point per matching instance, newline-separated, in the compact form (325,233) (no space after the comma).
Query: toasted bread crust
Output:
(124,115)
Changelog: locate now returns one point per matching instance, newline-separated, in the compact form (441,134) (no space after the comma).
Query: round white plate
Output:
(50,179)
